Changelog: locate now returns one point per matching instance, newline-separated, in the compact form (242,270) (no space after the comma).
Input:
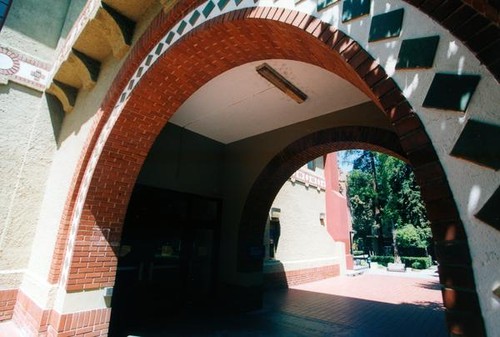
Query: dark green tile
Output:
(490,213)
(237,2)
(322,4)
(417,53)
(353,9)
(386,25)
(159,48)
(181,28)
(222,4)
(208,9)
(194,18)
(451,92)
(480,143)
(169,38)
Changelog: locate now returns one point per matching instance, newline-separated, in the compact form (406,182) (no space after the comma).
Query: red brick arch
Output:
(204,53)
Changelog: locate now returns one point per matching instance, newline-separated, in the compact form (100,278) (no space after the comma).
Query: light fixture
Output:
(275,213)
(281,83)
(322,216)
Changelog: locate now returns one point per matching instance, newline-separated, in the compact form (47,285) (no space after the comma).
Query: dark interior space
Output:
(166,264)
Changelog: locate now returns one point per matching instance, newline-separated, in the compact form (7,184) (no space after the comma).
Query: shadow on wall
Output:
(47,29)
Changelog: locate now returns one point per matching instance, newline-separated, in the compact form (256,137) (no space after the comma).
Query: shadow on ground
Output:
(297,313)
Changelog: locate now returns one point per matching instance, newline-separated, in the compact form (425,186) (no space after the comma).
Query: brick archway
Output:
(285,163)
(448,233)
(121,141)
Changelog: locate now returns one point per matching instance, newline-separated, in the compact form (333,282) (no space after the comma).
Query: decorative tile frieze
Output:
(23,69)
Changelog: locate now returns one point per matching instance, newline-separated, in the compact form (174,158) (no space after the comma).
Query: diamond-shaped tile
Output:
(222,4)
(169,38)
(181,27)
(208,9)
(417,53)
(353,9)
(194,18)
(490,213)
(322,4)
(480,143)
(159,48)
(451,92)
(387,25)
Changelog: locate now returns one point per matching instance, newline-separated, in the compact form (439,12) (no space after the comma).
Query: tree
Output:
(384,198)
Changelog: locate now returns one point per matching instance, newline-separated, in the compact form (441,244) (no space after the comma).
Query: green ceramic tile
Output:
(222,4)
(194,18)
(386,25)
(181,28)
(489,213)
(353,9)
(322,4)
(169,38)
(480,143)
(159,48)
(208,9)
(451,92)
(417,53)
(237,2)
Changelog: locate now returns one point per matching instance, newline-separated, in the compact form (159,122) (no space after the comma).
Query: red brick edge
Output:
(284,279)
(7,302)
(35,321)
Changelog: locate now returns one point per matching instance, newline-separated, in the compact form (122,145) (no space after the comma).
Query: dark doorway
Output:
(166,263)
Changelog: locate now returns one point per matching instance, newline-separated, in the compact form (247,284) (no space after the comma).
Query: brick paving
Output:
(369,305)
(362,306)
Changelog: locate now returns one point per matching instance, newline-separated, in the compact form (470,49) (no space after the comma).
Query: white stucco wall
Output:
(304,241)
(27,143)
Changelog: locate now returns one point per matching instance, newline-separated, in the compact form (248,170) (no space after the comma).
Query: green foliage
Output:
(361,202)
(417,262)
(411,236)
(409,261)
(383,196)
(382,260)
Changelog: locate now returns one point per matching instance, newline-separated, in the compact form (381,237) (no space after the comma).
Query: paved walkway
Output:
(368,305)
(375,304)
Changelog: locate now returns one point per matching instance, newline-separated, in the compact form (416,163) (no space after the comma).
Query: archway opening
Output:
(148,109)
(307,257)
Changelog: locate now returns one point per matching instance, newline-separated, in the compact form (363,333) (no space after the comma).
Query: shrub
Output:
(382,260)
(417,262)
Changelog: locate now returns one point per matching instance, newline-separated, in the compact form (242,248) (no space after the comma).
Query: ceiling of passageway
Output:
(240,103)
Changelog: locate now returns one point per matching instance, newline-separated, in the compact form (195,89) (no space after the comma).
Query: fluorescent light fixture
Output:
(281,83)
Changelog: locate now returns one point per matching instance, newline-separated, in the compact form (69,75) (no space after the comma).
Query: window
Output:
(311,165)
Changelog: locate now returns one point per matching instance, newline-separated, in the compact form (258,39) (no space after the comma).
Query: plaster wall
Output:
(72,136)
(245,160)
(470,183)
(184,161)
(27,143)
(34,27)
(304,238)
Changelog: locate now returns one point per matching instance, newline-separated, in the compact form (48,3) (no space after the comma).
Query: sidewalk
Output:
(375,304)
(362,306)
